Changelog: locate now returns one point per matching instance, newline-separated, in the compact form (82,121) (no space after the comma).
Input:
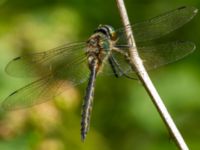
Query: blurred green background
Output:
(123,117)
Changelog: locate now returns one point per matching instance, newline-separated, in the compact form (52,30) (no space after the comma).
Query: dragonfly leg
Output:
(118,71)
(114,67)
(116,49)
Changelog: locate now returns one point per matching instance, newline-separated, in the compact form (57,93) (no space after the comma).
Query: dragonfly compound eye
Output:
(112,32)
(108,31)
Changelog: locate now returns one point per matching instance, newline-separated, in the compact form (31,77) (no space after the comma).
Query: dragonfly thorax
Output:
(100,44)
(103,38)
(98,48)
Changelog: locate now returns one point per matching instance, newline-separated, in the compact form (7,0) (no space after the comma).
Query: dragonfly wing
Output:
(162,54)
(73,70)
(117,65)
(110,68)
(153,56)
(160,25)
(47,87)
(33,93)
(43,63)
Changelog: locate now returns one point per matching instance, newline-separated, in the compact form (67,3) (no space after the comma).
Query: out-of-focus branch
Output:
(137,65)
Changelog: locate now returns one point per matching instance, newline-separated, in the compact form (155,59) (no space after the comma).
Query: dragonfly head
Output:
(108,30)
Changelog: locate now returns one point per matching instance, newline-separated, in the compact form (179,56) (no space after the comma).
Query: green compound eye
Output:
(108,30)
(112,32)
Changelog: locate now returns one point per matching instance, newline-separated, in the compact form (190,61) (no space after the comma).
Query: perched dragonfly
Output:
(104,53)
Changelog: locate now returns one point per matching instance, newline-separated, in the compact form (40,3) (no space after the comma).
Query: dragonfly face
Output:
(100,44)
(105,52)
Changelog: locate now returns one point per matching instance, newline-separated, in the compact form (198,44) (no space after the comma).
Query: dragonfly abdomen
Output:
(88,100)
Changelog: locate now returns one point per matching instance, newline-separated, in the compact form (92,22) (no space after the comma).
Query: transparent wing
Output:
(33,93)
(162,54)
(119,67)
(154,56)
(74,70)
(112,67)
(43,63)
(160,25)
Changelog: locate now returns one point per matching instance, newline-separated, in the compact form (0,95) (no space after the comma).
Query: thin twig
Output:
(137,65)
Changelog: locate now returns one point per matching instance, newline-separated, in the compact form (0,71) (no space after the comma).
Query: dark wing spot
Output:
(17,58)
(13,93)
(183,7)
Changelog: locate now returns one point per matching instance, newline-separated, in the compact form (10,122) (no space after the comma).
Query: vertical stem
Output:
(137,65)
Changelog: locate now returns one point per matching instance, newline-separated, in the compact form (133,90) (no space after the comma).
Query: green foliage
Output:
(123,114)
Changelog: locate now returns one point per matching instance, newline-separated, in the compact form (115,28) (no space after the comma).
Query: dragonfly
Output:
(104,53)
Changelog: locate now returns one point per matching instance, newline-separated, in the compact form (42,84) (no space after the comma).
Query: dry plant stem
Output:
(137,65)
